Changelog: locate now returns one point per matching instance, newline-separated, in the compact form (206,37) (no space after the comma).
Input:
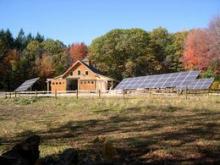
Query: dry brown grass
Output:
(152,129)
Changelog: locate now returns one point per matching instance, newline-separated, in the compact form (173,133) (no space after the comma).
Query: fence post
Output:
(6,95)
(35,93)
(55,94)
(99,93)
(77,93)
(15,94)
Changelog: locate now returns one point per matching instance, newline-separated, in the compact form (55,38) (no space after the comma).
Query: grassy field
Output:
(153,129)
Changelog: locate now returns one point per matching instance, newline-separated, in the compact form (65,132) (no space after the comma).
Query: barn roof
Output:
(92,68)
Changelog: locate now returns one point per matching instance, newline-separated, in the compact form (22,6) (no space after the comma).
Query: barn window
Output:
(79,72)
(86,72)
(71,73)
(92,82)
(60,83)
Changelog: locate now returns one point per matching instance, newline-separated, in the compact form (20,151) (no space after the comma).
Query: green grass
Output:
(150,129)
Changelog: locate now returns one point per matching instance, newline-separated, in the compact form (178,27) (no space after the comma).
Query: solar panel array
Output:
(170,80)
(27,85)
(198,84)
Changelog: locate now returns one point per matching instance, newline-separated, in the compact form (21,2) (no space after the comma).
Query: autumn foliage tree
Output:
(44,66)
(196,51)
(78,51)
(9,68)
(202,49)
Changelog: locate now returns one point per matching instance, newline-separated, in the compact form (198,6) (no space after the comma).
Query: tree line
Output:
(119,53)
(26,56)
(135,52)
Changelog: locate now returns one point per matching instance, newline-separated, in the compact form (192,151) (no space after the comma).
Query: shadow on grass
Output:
(148,138)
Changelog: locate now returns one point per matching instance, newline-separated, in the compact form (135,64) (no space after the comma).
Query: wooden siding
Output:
(83,69)
(58,85)
(87,85)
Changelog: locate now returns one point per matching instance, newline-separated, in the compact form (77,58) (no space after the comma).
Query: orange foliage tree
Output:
(9,68)
(78,51)
(196,50)
(11,59)
(45,66)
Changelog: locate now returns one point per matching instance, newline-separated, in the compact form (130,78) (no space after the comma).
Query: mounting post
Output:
(77,93)
(123,94)
(99,93)
(56,94)
(186,92)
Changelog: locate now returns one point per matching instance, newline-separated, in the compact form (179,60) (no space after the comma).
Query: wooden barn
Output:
(82,76)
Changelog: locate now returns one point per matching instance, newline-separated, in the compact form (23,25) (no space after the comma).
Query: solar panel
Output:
(198,84)
(170,80)
(27,85)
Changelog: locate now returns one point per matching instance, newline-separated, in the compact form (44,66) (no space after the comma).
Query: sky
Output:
(83,20)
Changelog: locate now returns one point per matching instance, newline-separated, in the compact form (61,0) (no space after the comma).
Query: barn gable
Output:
(80,69)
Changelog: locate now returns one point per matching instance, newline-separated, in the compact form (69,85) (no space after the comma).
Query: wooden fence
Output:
(56,94)
(110,93)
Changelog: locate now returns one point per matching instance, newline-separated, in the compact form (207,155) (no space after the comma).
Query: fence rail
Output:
(75,93)
(107,93)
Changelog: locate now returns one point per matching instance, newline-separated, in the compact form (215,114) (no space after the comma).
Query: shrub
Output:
(26,101)
(215,85)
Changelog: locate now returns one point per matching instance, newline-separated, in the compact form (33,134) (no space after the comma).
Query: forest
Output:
(119,53)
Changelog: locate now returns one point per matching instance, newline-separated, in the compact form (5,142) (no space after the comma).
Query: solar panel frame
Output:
(198,84)
(27,85)
(169,80)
